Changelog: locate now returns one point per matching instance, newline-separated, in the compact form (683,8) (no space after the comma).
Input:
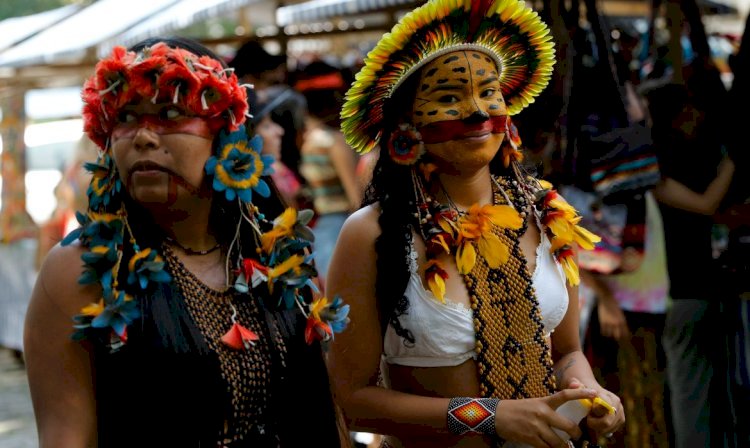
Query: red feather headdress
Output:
(160,73)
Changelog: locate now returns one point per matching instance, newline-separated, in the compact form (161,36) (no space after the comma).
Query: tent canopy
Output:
(70,39)
(16,29)
(315,10)
(78,35)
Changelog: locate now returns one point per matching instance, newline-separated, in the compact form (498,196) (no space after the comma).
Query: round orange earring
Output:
(405,145)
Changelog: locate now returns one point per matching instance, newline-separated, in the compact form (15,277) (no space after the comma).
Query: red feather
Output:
(239,337)
(479,9)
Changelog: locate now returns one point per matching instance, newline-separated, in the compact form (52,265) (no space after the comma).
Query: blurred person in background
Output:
(328,164)
(689,120)
(71,196)
(624,336)
(270,76)
(735,260)
(623,339)
(272,134)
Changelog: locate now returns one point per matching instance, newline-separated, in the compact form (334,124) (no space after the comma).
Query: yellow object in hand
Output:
(610,409)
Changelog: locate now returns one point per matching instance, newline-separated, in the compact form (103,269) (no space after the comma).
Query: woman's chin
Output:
(150,197)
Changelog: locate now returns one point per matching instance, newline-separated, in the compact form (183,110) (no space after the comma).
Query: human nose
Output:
(477,116)
(472,110)
(145,138)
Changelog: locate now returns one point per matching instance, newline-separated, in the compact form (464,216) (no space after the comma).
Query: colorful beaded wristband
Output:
(472,415)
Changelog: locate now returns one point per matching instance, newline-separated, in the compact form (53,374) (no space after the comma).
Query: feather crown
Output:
(200,84)
(508,31)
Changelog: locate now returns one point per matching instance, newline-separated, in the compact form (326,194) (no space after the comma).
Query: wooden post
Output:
(282,37)
(15,222)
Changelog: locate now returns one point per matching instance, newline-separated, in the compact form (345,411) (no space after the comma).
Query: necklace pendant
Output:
(239,337)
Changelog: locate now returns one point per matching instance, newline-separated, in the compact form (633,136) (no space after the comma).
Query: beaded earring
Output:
(405,145)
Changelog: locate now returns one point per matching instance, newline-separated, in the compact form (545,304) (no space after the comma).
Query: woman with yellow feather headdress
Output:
(460,272)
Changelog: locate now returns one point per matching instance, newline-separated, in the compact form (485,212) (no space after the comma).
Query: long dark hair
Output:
(388,187)
(299,377)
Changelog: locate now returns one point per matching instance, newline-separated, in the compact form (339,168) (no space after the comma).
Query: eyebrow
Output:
(446,87)
(488,81)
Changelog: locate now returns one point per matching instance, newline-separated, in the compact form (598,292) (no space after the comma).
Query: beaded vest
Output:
(247,373)
(513,357)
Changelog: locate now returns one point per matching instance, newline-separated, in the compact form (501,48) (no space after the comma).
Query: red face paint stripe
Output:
(172,191)
(443,131)
(191,126)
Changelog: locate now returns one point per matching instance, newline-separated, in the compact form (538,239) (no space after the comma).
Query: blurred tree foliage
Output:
(18,8)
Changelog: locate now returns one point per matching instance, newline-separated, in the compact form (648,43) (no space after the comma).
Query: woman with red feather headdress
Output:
(183,311)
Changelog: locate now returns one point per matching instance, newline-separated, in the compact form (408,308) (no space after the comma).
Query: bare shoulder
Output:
(355,247)
(58,280)
(362,225)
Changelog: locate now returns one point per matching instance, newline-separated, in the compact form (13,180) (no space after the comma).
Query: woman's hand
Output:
(601,419)
(612,320)
(530,421)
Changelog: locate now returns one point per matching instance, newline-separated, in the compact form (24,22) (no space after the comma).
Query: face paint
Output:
(162,126)
(153,168)
(459,93)
(443,131)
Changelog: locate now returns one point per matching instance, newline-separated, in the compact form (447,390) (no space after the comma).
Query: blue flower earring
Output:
(239,165)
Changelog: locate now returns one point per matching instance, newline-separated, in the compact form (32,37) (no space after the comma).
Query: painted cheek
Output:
(482,69)
(190,126)
(495,105)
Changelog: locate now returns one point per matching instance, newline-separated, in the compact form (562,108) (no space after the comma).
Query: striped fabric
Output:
(623,160)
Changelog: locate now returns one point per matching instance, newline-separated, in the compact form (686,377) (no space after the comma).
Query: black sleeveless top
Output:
(174,384)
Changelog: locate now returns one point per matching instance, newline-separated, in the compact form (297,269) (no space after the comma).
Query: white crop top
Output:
(444,333)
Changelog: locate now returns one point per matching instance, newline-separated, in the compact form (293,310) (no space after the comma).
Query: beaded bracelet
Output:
(472,415)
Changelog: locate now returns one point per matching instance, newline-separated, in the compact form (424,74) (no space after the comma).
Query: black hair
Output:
(179,42)
(324,103)
(252,59)
(390,187)
(166,323)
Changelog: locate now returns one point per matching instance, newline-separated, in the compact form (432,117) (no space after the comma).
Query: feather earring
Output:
(511,153)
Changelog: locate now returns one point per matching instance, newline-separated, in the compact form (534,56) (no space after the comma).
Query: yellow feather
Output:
(466,257)
(504,216)
(571,271)
(493,250)
(286,266)
(437,286)
(448,227)
(562,229)
(584,238)
(93,309)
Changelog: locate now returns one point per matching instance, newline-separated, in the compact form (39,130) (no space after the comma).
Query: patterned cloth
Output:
(645,290)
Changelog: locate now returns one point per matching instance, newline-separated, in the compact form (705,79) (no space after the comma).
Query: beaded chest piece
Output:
(513,358)
(247,373)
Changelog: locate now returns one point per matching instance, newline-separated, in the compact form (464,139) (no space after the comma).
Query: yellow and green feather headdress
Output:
(506,30)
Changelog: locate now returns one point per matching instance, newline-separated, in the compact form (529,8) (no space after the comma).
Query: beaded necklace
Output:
(513,358)
(248,373)
(191,251)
